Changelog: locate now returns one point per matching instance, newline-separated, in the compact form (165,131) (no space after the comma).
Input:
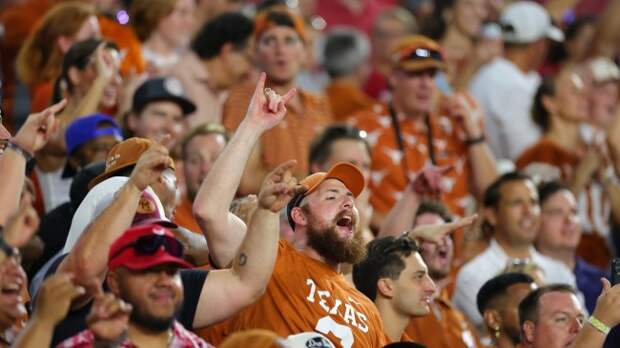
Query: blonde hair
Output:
(145,15)
(40,58)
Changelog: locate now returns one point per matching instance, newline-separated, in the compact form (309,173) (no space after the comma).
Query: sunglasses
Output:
(421,53)
(149,245)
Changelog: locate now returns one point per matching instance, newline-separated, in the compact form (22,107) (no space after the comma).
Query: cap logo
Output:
(317,342)
(173,86)
(111,161)
(145,206)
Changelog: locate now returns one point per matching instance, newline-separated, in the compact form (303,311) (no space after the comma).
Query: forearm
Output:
(13,169)
(483,167)
(89,256)
(613,194)
(401,217)
(222,229)
(256,258)
(90,102)
(37,333)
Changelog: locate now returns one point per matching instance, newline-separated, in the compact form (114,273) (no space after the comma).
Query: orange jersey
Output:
(346,99)
(307,295)
(444,327)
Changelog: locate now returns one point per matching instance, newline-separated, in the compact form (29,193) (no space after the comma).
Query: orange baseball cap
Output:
(121,156)
(347,173)
(278,16)
(416,53)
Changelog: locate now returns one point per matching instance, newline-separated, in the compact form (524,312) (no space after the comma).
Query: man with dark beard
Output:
(144,273)
(306,291)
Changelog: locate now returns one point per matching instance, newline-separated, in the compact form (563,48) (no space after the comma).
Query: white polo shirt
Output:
(492,262)
(505,94)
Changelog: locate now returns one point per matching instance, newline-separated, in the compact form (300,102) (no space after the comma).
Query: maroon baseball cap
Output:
(146,246)
(149,212)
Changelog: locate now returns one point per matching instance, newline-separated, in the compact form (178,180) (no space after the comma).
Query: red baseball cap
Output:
(123,251)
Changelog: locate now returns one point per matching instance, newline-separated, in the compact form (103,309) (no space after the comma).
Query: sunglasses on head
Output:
(150,244)
(421,53)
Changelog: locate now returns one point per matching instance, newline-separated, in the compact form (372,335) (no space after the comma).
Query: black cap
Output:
(162,88)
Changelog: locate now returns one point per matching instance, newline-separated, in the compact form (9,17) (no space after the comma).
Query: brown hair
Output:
(203,129)
(40,58)
(146,14)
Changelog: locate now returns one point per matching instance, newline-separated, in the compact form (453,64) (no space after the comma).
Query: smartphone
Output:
(615,271)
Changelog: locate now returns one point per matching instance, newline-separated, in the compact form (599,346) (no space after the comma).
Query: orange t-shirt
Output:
(292,137)
(307,295)
(346,99)
(550,161)
(444,327)
(184,216)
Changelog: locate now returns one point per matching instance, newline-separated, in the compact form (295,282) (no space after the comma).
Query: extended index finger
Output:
(260,85)
(462,222)
(282,168)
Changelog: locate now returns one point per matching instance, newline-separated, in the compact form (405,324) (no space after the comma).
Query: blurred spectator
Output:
(445,326)
(4,134)
(498,303)
(416,130)
(346,59)
(343,143)
(199,150)
(550,316)
(40,58)
(604,93)
(279,39)
(55,225)
(576,46)
(560,106)
(505,87)
(458,28)
(206,10)
(165,28)
(89,81)
(158,110)
(394,276)
(360,14)
(220,58)
(391,25)
(512,211)
(559,235)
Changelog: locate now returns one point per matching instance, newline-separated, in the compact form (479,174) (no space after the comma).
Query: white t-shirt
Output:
(97,199)
(492,262)
(506,94)
(54,188)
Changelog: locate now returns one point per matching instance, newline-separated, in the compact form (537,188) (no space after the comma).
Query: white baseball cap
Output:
(526,22)
(309,340)
(604,70)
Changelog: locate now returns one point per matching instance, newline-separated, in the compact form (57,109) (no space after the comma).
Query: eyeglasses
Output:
(149,245)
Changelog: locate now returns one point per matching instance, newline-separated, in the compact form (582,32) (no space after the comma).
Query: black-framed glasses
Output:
(150,244)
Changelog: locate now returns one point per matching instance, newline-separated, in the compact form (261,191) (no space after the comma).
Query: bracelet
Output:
(474,141)
(20,150)
(599,325)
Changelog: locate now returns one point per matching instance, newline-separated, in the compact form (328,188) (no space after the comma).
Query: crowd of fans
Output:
(309,173)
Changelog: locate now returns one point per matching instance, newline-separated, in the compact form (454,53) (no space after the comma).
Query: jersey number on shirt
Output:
(327,324)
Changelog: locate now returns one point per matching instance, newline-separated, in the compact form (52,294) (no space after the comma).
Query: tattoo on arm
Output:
(243,259)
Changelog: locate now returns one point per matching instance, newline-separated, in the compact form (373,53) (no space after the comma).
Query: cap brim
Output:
(556,34)
(186,105)
(348,174)
(141,263)
(420,65)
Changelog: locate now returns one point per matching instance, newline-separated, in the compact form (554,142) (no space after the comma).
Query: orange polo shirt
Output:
(346,99)
(292,137)
(184,216)
(444,327)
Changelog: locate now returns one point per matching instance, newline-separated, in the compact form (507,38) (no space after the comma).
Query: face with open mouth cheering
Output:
(332,223)
(12,283)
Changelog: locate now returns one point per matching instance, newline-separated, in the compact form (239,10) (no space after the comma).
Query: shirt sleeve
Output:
(193,282)
(465,296)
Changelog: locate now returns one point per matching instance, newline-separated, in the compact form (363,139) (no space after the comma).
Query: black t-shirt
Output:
(193,281)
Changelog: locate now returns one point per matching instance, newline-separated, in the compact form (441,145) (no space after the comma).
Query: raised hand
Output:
(108,317)
(105,62)
(244,207)
(55,297)
(267,108)
(150,166)
(21,226)
(428,181)
(607,304)
(435,233)
(38,128)
(278,188)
